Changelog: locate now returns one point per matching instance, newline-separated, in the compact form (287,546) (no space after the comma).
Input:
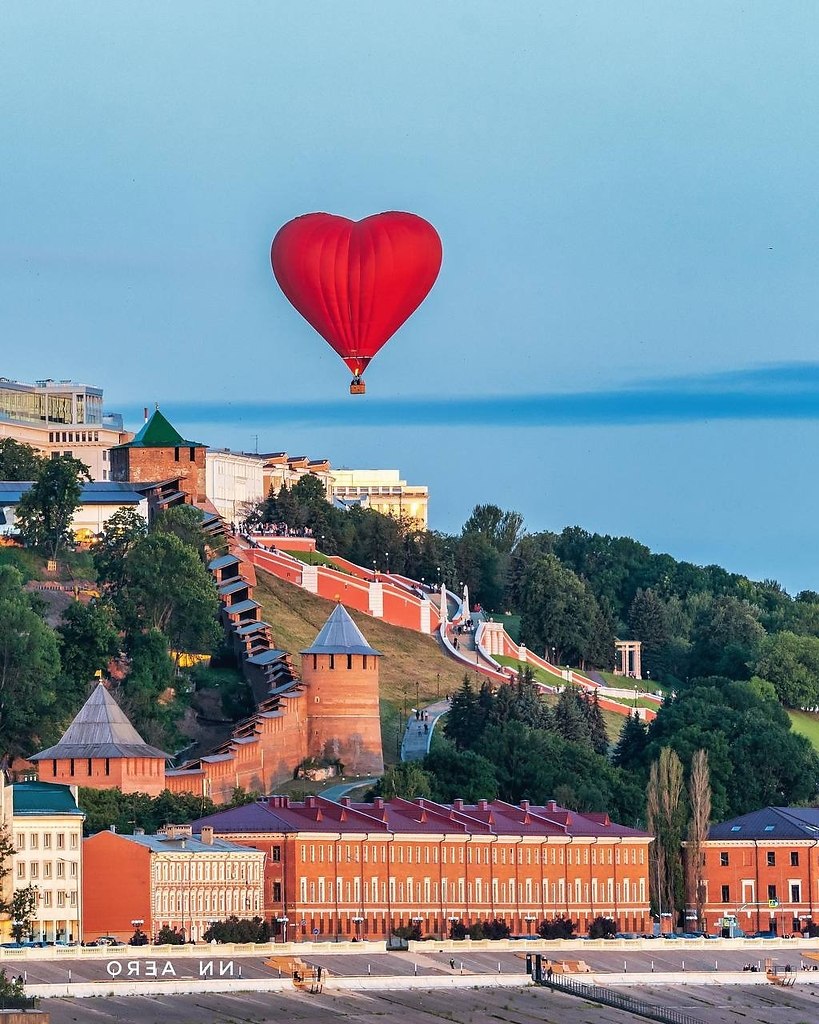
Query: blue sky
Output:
(623,334)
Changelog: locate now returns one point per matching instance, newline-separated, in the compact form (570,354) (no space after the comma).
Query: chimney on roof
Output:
(482,805)
(551,805)
(457,805)
(310,801)
(112,828)
(207,835)
(345,801)
(139,831)
(524,805)
(378,803)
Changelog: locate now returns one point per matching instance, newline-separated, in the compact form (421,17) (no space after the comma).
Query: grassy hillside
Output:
(806,723)
(413,664)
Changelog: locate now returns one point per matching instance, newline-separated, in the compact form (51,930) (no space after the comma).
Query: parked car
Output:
(107,940)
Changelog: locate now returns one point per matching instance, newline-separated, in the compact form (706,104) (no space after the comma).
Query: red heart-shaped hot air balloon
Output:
(356,282)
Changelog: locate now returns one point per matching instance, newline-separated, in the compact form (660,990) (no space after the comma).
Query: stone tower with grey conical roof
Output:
(340,676)
(101,749)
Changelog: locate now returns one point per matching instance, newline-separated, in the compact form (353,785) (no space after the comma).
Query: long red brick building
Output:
(364,869)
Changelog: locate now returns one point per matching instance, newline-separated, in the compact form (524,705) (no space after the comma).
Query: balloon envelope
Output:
(356,282)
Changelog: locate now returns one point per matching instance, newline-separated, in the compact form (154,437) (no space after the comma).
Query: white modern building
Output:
(384,491)
(61,417)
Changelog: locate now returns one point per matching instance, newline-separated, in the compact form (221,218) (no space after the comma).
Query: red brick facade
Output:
(146,465)
(763,869)
(363,870)
(130,774)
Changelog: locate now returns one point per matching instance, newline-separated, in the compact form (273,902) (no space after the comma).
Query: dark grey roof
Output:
(223,562)
(100,730)
(770,823)
(266,657)
(340,635)
(242,606)
(186,844)
(233,587)
(251,627)
(97,492)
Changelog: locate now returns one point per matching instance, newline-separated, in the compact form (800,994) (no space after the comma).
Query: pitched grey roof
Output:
(100,730)
(223,562)
(340,635)
(770,823)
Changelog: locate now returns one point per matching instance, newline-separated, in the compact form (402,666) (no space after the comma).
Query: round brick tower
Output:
(340,675)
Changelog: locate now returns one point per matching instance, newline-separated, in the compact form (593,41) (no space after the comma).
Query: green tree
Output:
(127,811)
(558,611)
(167,588)
(87,642)
(184,522)
(45,512)
(598,736)
(754,757)
(726,638)
(791,664)
(463,722)
(167,936)
(29,666)
(144,692)
(461,775)
(648,623)
(570,717)
(502,529)
(629,752)
(22,911)
(122,532)
(408,780)
(18,461)
(666,810)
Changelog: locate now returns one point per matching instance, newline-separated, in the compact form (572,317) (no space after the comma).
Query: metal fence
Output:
(619,1001)
(18,1003)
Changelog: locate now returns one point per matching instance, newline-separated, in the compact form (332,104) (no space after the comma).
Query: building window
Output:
(796,892)
(35,870)
(771,892)
(771,858)
(21,869)
(20,841)
(46,840)
(35,841)
(60,869)
(71,767)
(794,858)
(276,854)
(61,840)
(46,899)
(89,766)
(723,860)
(108,766)
(726,894)
(192,455)
(349,662)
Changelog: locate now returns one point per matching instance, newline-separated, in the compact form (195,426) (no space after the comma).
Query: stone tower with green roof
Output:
(159,452)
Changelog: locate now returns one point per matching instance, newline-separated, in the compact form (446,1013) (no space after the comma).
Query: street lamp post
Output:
(387,556)
(357,921)
(283,922)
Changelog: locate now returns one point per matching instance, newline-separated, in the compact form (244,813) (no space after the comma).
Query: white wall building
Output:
(45,826)
(233,480)
(384,491)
